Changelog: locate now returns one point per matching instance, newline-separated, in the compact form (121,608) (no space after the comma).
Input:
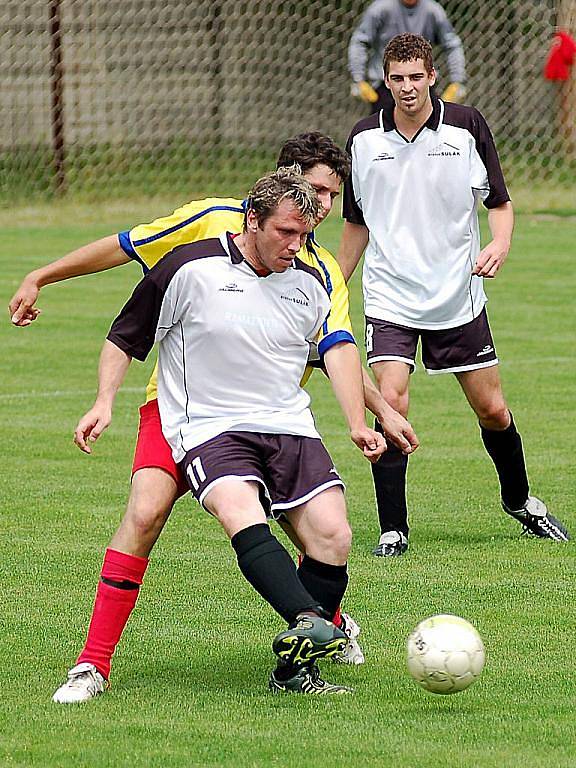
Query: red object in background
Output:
(561,57)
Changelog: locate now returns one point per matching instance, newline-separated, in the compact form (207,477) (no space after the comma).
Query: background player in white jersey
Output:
(234,317)
(156,480)
(419,170)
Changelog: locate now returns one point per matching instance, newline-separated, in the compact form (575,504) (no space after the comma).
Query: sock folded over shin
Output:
(116,596)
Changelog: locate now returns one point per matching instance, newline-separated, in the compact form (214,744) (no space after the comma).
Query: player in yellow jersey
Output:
(156,481)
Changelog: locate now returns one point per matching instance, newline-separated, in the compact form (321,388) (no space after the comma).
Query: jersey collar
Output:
(433,122)
(227,240)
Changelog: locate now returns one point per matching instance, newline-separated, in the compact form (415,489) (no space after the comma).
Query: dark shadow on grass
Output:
(220,670)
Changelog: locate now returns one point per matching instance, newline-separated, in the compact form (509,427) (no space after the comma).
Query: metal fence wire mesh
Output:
(195,96)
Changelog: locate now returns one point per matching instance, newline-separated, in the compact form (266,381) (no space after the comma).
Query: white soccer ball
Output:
(445,654)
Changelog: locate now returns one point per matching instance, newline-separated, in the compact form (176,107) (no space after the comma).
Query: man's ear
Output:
(251,221)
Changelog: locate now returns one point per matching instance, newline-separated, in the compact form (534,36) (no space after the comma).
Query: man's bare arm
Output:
(352,244)
(112,369)
(493,256)
(342,363)
(94,257)
(396,428)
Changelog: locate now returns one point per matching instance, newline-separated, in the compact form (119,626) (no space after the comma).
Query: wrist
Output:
(104,401)
(357,425)
(503,242)
(34,279)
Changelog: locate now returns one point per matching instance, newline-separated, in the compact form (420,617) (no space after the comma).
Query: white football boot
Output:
(351,653)
(84,683)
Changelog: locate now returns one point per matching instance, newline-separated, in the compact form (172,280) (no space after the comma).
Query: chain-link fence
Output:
(195,96)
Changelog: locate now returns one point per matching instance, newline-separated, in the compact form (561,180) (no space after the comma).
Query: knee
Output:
(494,415)
(145,518)
(337,542)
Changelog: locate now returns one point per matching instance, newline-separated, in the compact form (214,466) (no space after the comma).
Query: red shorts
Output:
(152,450)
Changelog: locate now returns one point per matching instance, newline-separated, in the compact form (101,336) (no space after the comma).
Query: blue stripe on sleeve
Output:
(334,338)
(185,223)
(329,288)
(126,245)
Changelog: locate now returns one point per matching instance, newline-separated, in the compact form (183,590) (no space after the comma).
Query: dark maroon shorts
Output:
(450,350)
(290,469)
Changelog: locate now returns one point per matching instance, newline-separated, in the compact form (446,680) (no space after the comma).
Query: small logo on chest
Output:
(296,296)
(384,156)
(231,288)
(445,150)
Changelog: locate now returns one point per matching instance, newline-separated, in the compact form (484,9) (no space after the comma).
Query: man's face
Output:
(409,83)
(410,3)
(279,238)
(327,186)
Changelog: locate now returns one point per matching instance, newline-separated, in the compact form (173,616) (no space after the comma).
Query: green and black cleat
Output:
(308,639)
(306,680)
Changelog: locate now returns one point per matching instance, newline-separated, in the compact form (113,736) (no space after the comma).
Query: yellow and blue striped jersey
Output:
(203,219)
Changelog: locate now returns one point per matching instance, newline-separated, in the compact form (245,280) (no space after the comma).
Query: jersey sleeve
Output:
(336,327)
(197,220)
(486,173)
(364,39)
(351,202)
(452,46)
(156,305)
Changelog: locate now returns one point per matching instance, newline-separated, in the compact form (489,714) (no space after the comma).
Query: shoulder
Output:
(379,7)
(166,268)
(434,9)
(463,116)
(210,205)
(324,262)
(310,273)
(370,123)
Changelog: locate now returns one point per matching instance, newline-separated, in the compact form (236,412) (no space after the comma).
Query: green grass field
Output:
(189,679)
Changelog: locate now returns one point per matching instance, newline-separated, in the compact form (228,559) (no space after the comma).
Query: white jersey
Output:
(419,200)
(233,344)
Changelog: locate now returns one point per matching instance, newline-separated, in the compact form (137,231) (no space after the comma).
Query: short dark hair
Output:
(408,47)
(286,183)
(314,148)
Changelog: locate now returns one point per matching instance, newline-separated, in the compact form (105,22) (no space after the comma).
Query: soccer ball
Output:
(445,654)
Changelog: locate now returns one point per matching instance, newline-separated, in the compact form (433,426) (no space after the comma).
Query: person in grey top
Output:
(383,20)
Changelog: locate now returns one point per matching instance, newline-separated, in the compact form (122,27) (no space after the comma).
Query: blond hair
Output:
(286,183)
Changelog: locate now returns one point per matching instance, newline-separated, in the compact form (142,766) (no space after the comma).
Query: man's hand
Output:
(491,258)
(371,443)
(364,91)
(21,306)
(399,431)
(91,426)
(455,93)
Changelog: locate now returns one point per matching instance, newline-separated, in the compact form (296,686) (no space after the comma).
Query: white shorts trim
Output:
(462,368)
(310,495)
(384,358)
(242,478)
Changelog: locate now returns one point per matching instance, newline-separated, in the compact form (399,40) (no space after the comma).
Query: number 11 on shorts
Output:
(195,472)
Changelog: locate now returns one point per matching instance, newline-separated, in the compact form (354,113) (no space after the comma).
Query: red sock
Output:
(112,608)
(337,620)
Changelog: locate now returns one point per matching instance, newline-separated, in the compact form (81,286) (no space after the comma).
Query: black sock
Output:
(327,583)
(505,449)
(389,475)
(271,571)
